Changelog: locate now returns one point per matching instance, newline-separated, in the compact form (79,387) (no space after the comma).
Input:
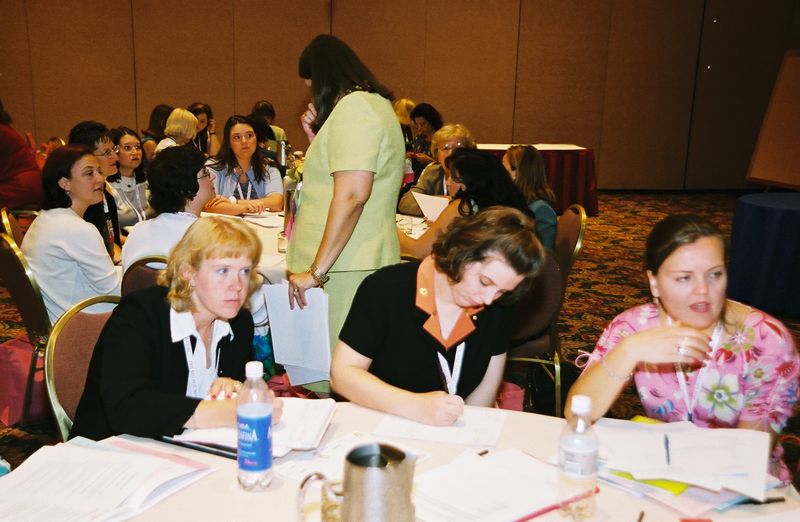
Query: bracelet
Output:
(319,276)
(613,374)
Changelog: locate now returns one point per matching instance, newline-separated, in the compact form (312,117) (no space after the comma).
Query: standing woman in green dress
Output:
(345,224)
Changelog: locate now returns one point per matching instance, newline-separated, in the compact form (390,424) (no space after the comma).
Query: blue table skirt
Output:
(764,269)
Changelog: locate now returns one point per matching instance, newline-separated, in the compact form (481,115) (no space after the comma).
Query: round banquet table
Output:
(764,269)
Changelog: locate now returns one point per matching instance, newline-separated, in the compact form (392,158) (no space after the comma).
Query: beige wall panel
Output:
(389,37)
(743,44)
(652,53)
(269,37)
(561,71)
(470,64)
(15,65)
(77,73)
(184,54)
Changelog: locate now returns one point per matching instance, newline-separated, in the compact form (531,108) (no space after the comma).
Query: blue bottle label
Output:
(255,442)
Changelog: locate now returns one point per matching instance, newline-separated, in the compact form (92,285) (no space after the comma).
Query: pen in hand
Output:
(666,448)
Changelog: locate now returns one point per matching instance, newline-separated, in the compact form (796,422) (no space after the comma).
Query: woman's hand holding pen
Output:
(439,408)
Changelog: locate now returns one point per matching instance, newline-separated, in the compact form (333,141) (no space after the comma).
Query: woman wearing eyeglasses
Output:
(129,185)
(244,175)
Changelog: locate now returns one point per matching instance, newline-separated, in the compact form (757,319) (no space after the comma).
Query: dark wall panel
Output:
(77,74)
(267,47)
(743,44)
(183,54)
(652,52)
(390,39)
(561,71)
(470,62)
(15,66)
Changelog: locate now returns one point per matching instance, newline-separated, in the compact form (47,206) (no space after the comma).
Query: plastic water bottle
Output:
(254,425)
(577,462)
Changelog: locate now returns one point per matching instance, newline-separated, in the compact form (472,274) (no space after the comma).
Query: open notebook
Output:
(303,423)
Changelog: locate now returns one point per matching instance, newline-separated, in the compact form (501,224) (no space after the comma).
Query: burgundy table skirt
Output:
(570,174)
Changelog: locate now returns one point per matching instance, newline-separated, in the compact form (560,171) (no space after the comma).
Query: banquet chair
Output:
(569,237)
(139,275)
(11,226)
(534,334)
(20,283)
(69,351)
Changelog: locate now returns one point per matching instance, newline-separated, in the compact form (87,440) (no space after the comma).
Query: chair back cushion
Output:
(20,283)
(73,346)
(141,275)
(539,307)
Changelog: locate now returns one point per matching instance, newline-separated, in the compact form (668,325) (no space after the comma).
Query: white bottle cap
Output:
(581,404)
(254,370)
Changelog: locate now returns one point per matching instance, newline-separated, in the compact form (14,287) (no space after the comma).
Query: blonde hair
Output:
(451,131)
(208,238)
(181,123)
(403,108)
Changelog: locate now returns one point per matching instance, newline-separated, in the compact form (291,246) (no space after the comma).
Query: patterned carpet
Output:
(607,278)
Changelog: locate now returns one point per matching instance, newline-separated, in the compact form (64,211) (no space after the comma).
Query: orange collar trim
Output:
(426,301)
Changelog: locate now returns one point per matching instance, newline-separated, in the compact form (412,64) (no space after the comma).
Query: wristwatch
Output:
(319,276)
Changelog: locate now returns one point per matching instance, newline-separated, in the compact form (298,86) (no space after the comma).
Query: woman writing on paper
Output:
(345,226)
(172,357)
(695,355)
(423,339)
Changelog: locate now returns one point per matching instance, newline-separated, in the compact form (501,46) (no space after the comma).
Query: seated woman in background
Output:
(180,130)
(432,180)
(425,120)
(129,185)
(154,132)
(66,254)
(423,339)
(477,181)
(170,357)
(180,186)
(243,173)
(206,137)
(263,115)
(526,166)
(695,355)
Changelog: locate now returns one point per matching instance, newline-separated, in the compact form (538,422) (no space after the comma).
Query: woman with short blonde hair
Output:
(180,129)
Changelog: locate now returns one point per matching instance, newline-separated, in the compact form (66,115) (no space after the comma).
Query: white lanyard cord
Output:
(451,378)
(139,213)
(249,189)
(683,380)
(187,348)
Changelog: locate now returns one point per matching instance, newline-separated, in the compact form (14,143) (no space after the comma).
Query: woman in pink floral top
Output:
(694,354)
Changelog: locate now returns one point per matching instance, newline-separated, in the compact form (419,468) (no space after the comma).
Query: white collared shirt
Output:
(182,326)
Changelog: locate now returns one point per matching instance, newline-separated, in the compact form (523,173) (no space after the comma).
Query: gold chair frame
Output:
(63,421)
(137,265)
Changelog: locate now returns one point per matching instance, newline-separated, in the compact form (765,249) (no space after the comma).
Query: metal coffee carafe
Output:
(377,487)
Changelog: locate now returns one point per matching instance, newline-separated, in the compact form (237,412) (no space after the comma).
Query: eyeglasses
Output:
(131,148)
(108,153)
(452,146)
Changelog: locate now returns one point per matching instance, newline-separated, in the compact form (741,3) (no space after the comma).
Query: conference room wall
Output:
(15,65)
(81,62)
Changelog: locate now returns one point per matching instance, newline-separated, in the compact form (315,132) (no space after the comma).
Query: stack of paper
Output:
(476,427)
(710,458)
(496,487)
(303,423)
(85,480)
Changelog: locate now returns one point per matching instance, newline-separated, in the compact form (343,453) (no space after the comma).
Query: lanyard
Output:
(137,210)
(249,189)
(451,378)
(193,390)
(683,380)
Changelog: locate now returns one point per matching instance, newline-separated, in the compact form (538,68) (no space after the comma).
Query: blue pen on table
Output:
(666,448)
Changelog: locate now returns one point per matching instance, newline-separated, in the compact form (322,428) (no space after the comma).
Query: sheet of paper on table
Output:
(477,427)
(710,458)
(84,480)
(300,336)
(431,206)
(303,423)
(266,219)
(501,486)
